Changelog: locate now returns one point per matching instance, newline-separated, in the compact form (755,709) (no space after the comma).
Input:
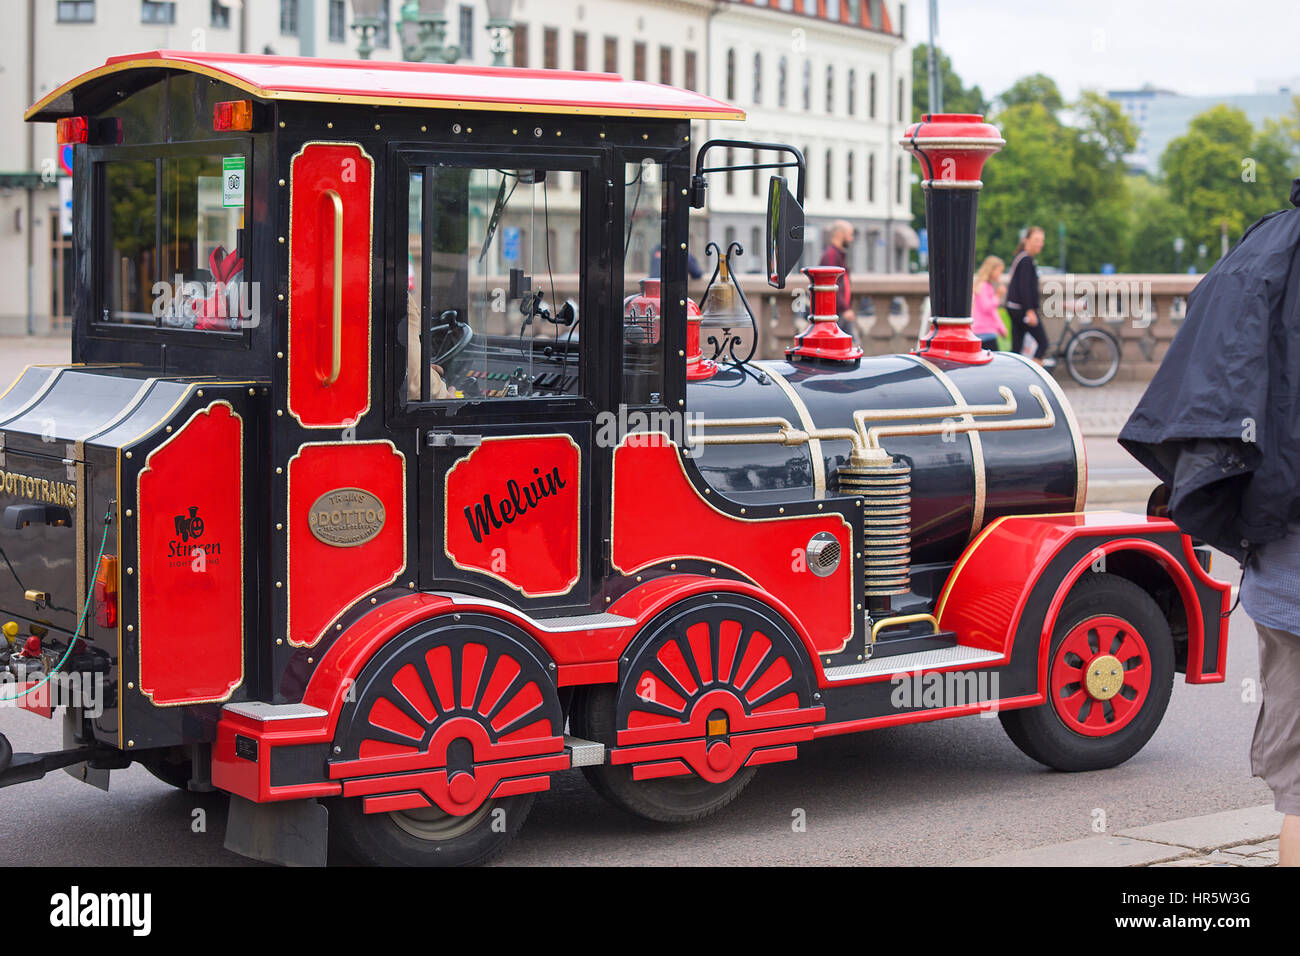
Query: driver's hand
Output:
(437,385)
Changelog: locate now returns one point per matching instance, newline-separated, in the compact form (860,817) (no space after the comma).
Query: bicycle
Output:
(1091,355)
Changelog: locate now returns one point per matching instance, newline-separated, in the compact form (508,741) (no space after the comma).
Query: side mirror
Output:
(784,231)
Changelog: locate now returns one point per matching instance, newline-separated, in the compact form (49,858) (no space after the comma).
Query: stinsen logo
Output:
(190,526)
(181,550)
(514,504)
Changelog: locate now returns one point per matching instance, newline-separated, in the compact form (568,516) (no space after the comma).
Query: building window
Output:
(807,85)
(830,89)
(871,177)
(288,17)
(758,78)
(782,82)
(848,177)
(611,54)
(902,19)
(900,99)
(729,181)
(157,11)
(731,74)
(754,178)
(338,15)
(830,172)
(666,65)
(218,15)
(466,32)
(579,51)
(871,97)
(832,9)
(807,170)
(76,11)
(853,92)
(898,182)
(691,80)
(521,44)
(551,48)
(638,61)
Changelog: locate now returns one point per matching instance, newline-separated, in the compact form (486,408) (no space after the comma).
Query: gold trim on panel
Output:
(139,562)
(1076,434)
(854,614)
(979,467)
(370,288)
(810,426)
(446,513)
(288,537)
(296,96)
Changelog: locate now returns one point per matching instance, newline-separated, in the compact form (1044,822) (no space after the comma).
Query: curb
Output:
(1158,843)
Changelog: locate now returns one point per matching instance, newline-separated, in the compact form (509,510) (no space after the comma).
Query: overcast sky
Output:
(1197,47)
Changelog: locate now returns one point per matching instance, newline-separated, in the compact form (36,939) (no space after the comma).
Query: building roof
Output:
(370,82)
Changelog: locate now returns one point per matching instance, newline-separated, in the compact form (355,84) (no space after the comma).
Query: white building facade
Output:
(846,116)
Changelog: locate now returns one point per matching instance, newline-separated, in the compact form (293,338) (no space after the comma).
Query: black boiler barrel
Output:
(960,482)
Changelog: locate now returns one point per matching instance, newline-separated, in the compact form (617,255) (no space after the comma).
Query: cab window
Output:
(173,242)
(492,283)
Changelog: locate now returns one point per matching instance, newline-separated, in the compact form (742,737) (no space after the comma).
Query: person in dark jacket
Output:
(1022,294)
(1219,425)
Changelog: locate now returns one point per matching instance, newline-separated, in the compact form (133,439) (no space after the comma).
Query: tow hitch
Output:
(24,767)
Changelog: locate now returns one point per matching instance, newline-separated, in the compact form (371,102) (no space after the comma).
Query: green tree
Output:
(1033,89)
(1224,174)
(1154,222)
(957,98)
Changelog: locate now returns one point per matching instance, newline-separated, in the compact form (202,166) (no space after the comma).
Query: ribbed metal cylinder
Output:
(886,491)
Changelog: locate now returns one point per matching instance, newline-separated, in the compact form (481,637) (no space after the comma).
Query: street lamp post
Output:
(365,20)
(424,32)
(501,27)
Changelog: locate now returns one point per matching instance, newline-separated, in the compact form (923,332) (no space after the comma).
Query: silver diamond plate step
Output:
(584,753)
(955,656)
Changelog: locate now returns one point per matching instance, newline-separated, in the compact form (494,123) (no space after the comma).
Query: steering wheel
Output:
(456,336)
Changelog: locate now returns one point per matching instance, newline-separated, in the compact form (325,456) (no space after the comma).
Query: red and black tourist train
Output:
(394,471)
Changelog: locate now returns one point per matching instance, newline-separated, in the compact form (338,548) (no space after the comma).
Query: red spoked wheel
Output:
(1109,678)
(712,689)
(452,730)
(1100,676)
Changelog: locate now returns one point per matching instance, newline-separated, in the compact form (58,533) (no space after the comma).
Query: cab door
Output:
(502,300)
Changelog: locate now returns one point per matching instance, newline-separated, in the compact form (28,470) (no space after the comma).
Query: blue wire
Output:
(80,624)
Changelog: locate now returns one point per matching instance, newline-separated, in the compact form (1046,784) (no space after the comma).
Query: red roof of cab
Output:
(436,86)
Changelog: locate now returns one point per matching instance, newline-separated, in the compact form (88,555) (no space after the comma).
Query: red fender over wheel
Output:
(454,712)
(717,683)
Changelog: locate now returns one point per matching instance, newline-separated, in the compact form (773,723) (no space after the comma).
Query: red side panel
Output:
(513,513)
(191,562)
(660,517)
(332,187)
(347,530)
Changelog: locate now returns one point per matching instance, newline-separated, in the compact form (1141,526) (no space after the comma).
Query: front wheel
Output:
(1092,357)
(1110,673)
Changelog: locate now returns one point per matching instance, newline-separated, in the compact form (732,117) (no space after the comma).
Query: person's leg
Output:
(1040,336)
(1017,330)
(1288,847)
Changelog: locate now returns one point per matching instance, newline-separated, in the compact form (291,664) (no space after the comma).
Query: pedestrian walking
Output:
(837,254)
(1022,294)
(986,321)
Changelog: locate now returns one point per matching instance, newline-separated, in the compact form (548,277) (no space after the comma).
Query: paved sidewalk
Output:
(1245,837)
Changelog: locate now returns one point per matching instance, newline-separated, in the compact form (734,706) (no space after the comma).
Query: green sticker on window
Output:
(232,181)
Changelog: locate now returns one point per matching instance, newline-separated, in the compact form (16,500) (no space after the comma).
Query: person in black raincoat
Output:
(1219,425)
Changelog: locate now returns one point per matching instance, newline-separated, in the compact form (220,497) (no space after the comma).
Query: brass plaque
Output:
(346,517)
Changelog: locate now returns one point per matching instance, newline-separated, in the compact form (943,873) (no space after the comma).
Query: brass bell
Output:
(723,308)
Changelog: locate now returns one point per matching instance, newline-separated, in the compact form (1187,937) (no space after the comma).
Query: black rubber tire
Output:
(1041,734)
(666,800)
(376,839)
(176,774)
(1098,339)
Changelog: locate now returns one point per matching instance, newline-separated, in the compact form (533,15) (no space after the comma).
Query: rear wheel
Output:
(1110,673)
(428,836)
(1092,357)
(666,800)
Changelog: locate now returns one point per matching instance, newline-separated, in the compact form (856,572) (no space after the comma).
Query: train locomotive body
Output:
(342,509)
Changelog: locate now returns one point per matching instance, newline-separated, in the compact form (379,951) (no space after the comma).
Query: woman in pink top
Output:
(987,322)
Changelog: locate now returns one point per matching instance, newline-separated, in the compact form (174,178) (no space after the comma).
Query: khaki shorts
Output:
(1275,749)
